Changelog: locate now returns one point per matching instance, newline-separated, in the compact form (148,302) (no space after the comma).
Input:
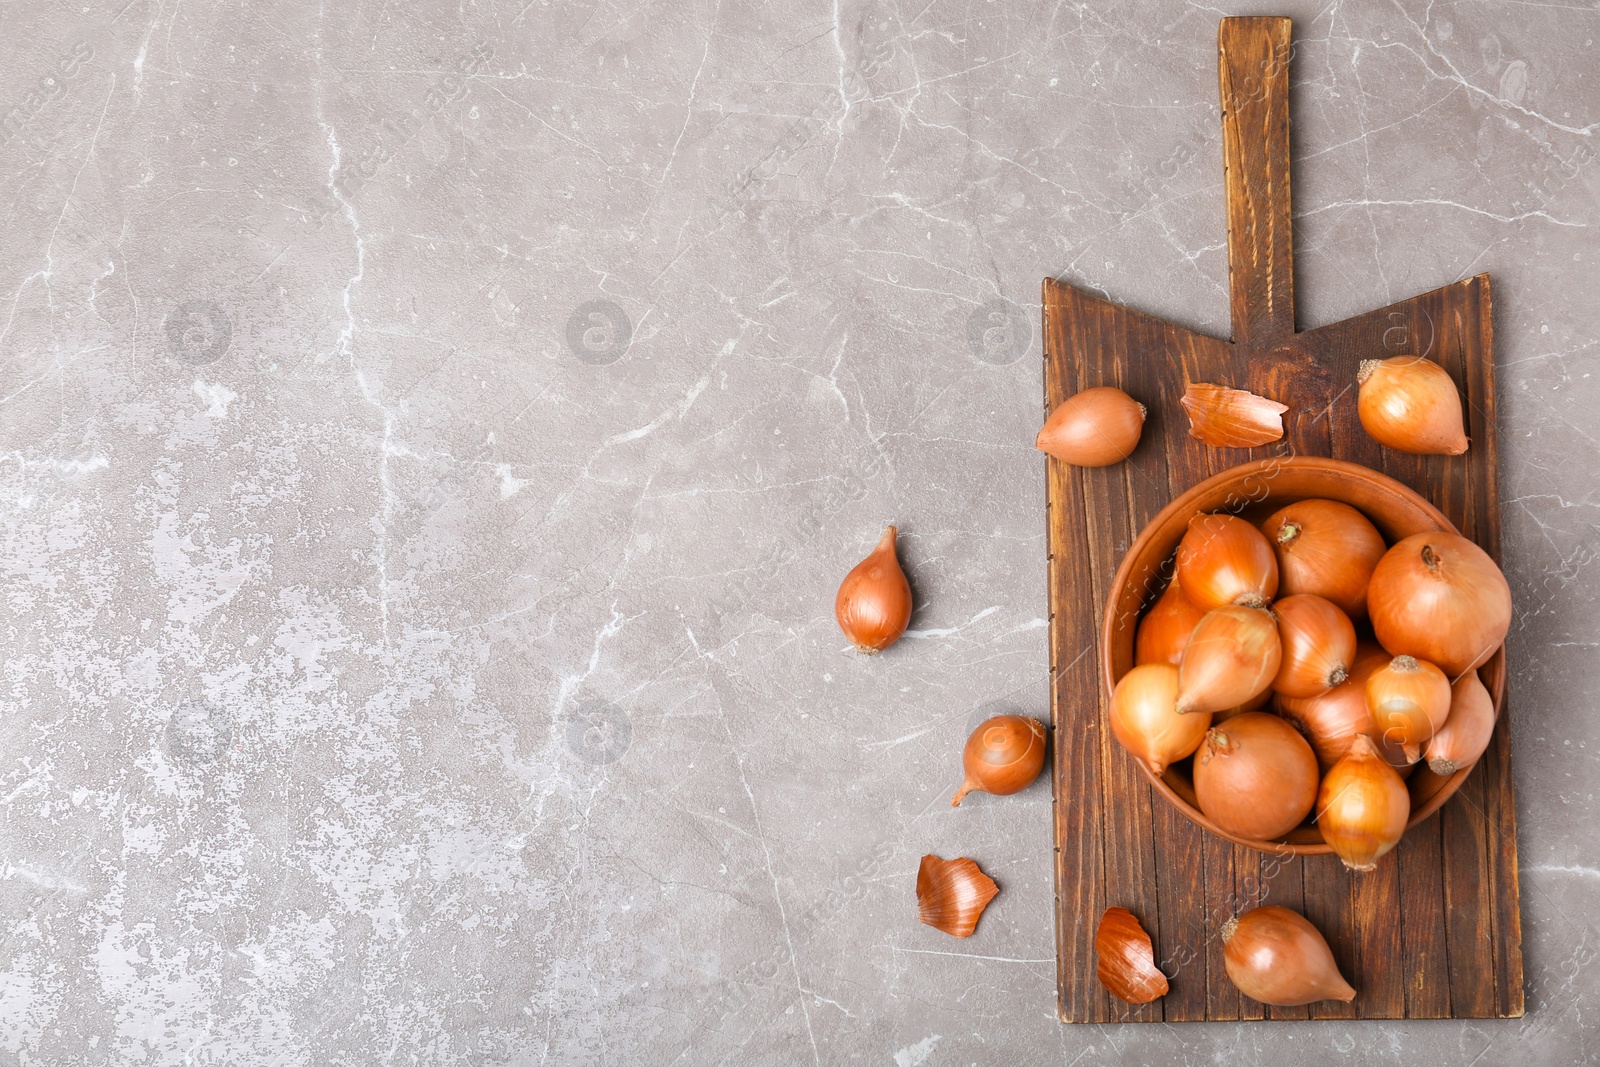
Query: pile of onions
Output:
(1257,662)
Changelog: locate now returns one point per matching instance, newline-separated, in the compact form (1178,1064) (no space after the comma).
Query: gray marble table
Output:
(431,436)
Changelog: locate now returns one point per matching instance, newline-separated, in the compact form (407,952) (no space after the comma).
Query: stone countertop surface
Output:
(433,435)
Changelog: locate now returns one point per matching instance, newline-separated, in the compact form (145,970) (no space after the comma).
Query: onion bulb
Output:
(1327,548)
(951,894)
(1165,628)
(1363,806)
(1144,717)
(1408,701)
(1439,597)
(1332,720)
(874,602)
(1411,405)
(1276,956)
(1232,656)
(1224,560)
(1255,776)
(1319,643)
(1466,731)
(1094,428)
(1003,756)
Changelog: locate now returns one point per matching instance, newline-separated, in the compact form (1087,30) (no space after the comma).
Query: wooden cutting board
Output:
(1434,932)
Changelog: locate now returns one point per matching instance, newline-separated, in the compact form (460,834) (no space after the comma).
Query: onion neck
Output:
(1430,559)
(1288,532)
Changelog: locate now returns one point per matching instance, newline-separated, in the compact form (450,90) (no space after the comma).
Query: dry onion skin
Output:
(1362,807)
(1231,418)
(1094,428)
(1467,729)
(1275,956)
(1327,548)
(873,605)
(1411,405)
(951,894)
(1145,719)
(1408,701)
(1255,776)
(1002,756)
(1232,657)
(1319,645)
(1439,597)
(1166,627)
(1125,959)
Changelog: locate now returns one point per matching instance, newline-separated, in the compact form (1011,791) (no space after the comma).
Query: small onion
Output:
(1408,701)
(1002,756)
(1327,548)
(1332,720)
(1466,732)
(1094,428)
(1276,956)
(1439,597)
(1232,656)
(873,605)
(1166,627)
(1255,776)
(1145,720)
(1319,644)
(1363,806)
(1224,560)
(1411,405)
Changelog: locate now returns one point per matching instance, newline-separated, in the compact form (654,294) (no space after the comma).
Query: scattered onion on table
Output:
(873,605)
(1094,428)
(1003,756)
(1412,405)
(1276,956)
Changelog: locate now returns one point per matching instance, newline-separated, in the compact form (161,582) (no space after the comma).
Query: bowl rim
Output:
(1185,503)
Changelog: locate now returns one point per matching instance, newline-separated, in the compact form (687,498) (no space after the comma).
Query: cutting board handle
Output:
(1253,77)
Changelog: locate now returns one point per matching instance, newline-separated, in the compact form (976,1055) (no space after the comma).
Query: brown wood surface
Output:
(1435,931)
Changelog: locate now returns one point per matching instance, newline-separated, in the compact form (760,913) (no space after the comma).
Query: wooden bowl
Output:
(1253,491)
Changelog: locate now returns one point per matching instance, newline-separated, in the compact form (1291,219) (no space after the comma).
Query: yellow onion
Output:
(1255,776)
(873,605)
(1327,548)
(1232,656)
(1224,560)
(1466,731)
(1166,627)
(1002,756)
(1363,806)
(1408,701)
(1094,428)
(1331,720)
(1439,597)
(1276,956)
(1319,643)
(1411,405)
(1144,717)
